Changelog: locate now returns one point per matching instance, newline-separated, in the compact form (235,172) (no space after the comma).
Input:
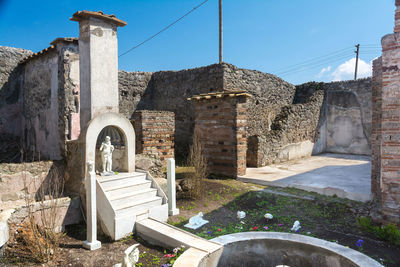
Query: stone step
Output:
(127,187)
(166,235)
(133,196)
(121,178)
(137,206)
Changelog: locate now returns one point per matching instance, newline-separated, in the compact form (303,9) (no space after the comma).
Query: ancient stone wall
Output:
(11,80)
(269,104)
(69,91)
(155,133)
(269,94)
(292,134)
(41,97)
(15,177)
(220,126)
(169,91)
(132,87)
(386,154)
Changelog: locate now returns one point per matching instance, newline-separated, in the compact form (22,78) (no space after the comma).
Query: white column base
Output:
(173,212)
(91,245)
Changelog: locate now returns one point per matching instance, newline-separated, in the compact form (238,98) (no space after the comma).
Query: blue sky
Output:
(268,35)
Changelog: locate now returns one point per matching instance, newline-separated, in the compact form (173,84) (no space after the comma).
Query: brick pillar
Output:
(386,125)
(376,139)
(155,132)
(397,17)
(220,125)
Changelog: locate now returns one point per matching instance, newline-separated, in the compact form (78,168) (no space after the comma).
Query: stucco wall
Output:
(345,121)
(344,124)
(40,107)
(40,98)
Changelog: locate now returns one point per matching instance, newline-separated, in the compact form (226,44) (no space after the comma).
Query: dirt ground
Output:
(71,252)
(329,218)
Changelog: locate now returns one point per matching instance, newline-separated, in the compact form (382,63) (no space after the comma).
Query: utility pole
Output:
(220,31)
(357,52)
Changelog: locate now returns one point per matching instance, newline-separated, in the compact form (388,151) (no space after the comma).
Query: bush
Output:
(388,232)
(40,234)
(199,164)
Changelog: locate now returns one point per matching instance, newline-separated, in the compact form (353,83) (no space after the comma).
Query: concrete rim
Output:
(348,253)
(193,257)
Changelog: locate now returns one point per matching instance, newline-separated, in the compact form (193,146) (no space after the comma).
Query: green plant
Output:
(388,232)
(176,253)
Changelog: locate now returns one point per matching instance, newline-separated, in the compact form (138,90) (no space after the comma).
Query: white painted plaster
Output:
(172,210)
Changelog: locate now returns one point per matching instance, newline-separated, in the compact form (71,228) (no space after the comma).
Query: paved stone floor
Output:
(347,176)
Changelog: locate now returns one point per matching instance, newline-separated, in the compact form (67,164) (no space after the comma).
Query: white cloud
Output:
(323,71)
(346,70)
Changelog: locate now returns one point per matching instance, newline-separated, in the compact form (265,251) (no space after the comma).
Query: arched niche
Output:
(124,127)
(118,141)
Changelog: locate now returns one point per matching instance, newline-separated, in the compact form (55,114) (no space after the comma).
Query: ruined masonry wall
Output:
(292,134)
(11,90)
(132,87)
(15,177)
(69,102)
(269,94)
(169,90)
(155,131)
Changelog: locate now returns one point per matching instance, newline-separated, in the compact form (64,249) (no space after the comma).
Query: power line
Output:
(324,60)
(164,29)
(310,61)
(312,67)
(371,45)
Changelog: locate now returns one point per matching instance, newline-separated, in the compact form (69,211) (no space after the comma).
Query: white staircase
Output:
(126,198)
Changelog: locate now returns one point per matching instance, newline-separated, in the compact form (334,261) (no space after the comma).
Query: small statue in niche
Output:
(107,149)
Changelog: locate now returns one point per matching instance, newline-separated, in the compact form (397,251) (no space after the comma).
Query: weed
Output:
(199,164)
(40,234)
(388,232)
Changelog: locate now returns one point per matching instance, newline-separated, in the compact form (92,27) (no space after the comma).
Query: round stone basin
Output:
(273,249)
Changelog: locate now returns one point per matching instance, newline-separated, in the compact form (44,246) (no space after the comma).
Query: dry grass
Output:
(40,234)
(199,164)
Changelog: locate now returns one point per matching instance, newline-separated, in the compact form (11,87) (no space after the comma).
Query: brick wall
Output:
(386,125)
(376,127)
(155,133)
(220,125)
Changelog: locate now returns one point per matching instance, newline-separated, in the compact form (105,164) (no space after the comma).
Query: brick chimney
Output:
(98,63)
